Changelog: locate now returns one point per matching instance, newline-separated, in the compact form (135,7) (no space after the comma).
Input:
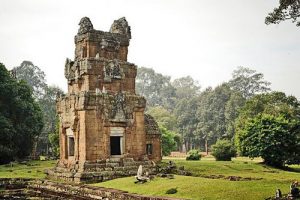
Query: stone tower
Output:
(104,132)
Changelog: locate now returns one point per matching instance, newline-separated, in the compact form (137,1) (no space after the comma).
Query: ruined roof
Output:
(151,126)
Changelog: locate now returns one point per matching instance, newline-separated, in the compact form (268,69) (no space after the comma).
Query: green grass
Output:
(207,188)
(33,169)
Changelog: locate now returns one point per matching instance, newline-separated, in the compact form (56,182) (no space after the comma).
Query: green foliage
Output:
(46,97)
(185,111)
(217,112)
(33,76)
(54,140)
(155,87)
(272,120)
(248,82)
(21,119)
(223,150)
(186,87)
(287,10)
(168,141)
(275,139)
(193,155)
(163,117)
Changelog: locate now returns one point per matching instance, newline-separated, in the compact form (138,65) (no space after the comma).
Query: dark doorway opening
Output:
(71,146)
(115,145)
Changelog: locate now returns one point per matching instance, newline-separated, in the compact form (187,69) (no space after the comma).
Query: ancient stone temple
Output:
(104,132)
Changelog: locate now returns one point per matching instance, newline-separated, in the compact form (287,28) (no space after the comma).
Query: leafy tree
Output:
(48,105)
(223,150)
(163,117)
(185,111)
(33,76)
(21,119)
(274,138)
(211,113)
(287,10)
(274,107)
(155,87)
(54,140)
(45,96)
(248,82)
(186,87)
(232,107)
(168,141)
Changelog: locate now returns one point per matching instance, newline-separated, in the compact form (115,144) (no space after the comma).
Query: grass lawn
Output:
(207,188)
(32,169)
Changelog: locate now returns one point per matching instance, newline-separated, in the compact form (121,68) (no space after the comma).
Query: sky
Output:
(204,39)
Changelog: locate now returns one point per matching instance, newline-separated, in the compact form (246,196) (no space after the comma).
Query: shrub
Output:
(171,191)
(223,150)
(193,155)
(275,139)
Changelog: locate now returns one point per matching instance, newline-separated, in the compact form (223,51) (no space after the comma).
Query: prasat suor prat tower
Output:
(104,132)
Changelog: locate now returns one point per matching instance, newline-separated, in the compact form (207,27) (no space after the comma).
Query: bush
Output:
(193,155)
(223,150)
(171,191)
(275,139)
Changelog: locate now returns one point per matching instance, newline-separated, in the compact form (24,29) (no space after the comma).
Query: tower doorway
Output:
(115,145)
(117,141)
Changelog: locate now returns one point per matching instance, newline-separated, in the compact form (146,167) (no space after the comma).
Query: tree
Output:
(211,113)
(163,117)
(168,141)
(287,10)
(275,114)
(155,87)
(46,97)
(33,76)
(248,82)
(48,105)
(274,138)
(185,111)
(232,108)
(223,150)
(54,140)
(186,87)
(21,119)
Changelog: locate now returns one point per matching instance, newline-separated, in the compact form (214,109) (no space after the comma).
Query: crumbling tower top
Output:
(100,63)
(111,45)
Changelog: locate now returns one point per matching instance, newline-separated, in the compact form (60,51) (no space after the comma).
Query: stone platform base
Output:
(101,170)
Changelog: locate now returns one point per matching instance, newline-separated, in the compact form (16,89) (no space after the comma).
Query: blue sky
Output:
(204,39)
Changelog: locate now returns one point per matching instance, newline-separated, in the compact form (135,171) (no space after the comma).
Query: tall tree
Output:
(21,119)
(48,105)
(185,111)
(46,97)
(287,10)
(33,76)
(186,87)
(218,108)
(155,87)
(248,82)
(163,117)
(275,104)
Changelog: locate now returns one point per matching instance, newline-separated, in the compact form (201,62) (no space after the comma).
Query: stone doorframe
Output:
(119,132)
